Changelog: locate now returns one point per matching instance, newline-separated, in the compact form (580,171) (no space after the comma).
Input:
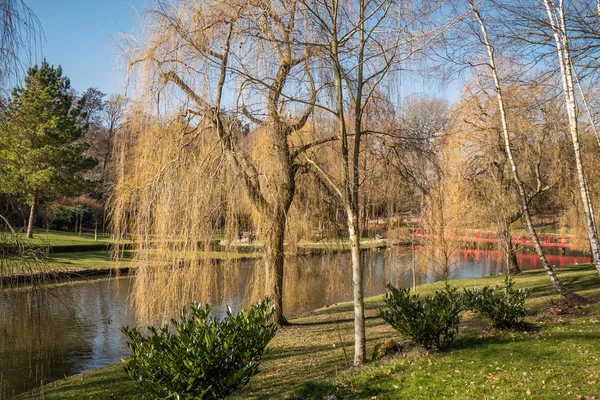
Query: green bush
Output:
(503,306)
(431,322)
(65,217)
(61,217)
(200,357)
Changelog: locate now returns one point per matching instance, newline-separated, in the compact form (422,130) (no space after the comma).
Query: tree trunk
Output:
(559,30)
(562,289)
(274,261)
(282,189)
(510,256)
(31,218)
(512,265)
(360,342)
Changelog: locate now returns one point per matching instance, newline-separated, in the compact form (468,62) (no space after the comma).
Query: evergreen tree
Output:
(40,140)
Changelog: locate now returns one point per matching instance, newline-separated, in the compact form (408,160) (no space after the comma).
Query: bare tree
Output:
(535,142)
(523,196)
(366,42)
(114,114)
(557,20)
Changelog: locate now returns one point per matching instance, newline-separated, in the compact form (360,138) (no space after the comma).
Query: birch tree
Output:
(557,20)
(346,28)
(523,196)
(366,41)
(535,144)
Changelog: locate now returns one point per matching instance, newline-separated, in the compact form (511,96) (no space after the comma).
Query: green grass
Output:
(344,244)
(86,259)
(58,263)
(52,238)
(558,359)
(559,362)
(61,238)
(103,259)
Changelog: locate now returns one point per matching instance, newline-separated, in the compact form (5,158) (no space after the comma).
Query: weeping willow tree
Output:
(239,76)
(20,32)
(168,190)
(443,212)
(175,193)
(535,143)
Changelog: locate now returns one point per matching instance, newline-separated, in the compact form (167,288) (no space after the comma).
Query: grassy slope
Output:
(560,359)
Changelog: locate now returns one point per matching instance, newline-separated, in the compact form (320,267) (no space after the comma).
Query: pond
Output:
(49,332)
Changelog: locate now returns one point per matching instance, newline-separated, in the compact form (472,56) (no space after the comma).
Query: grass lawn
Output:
(344,244)
(559,358)
(61,238)
(85,259)
(59,263)
(54,238)
(103,259)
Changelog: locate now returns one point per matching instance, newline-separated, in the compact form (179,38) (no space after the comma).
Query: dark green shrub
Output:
(503,306)
(66,217)
(62,217)
(431,322)
(200,357)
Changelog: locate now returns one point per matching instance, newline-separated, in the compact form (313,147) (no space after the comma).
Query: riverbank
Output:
(559,358)
(85,257)
(57,241)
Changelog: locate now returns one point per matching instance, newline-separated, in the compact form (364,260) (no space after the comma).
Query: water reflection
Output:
(50,332)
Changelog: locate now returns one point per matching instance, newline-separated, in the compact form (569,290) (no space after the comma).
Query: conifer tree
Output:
(40,140)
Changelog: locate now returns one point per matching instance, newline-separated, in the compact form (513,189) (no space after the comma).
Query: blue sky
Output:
(80,34)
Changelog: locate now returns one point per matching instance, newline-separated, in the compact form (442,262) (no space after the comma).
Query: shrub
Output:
(200,357)
(384,348)
(66,217)
(503,306)
(431,322)
(66,212)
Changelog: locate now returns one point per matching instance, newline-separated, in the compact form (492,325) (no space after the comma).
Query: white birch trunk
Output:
(562,289)
(559,31)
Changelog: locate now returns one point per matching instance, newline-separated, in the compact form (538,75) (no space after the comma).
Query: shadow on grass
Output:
(334,321)
(316,390)
(504,337)
(576,284)
(320,390)
(70,390)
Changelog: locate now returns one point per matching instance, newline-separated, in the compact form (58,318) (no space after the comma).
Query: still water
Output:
(47,333)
